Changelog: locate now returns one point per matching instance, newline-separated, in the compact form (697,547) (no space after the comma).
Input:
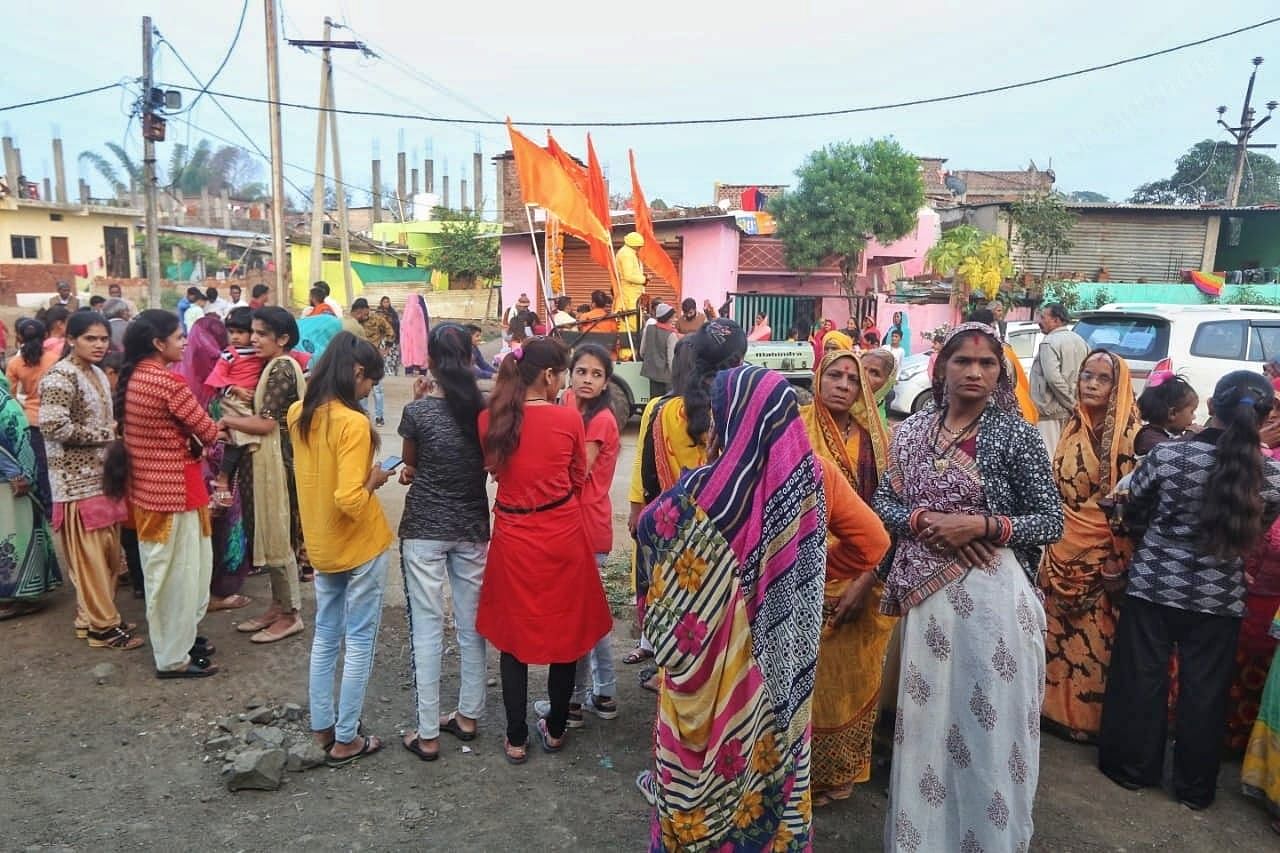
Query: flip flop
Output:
(451,726)
(192,670)
(637,655)
(515,754)
(231,602)
(369,747)
(415,746)
(544,735)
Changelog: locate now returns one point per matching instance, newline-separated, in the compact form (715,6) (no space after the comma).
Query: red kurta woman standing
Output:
(541,601)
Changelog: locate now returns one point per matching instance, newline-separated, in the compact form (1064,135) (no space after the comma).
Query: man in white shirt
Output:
(237,297)
(896,347)
(216,304)
(199,302)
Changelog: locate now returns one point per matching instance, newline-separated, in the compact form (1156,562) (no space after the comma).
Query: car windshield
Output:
(1130,336)
(1023,343)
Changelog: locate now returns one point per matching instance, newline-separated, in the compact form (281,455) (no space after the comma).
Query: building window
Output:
(24,248)
(55,217)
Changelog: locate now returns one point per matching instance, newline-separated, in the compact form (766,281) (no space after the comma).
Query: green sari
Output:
(28,568)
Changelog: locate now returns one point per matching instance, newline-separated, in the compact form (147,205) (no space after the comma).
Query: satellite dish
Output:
(956,184)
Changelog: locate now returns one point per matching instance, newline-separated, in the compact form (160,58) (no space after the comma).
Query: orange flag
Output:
(598,199)
(570,166)
(546,183)
(651,253)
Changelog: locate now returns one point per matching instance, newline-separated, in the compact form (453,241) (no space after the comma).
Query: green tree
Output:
(1044,227)
(978,261)
(465,251)
(124,176)
(203,167)
(1202,174)
(1087,197)
(848,194)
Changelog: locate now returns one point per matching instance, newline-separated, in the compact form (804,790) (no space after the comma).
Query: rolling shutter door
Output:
(582,275)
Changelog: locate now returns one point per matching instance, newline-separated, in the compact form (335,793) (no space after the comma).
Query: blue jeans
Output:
(598,663)
(379,402)
(348,608)
(427,564)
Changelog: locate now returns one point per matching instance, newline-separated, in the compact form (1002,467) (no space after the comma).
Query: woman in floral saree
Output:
(970,496)
(852,651)
(28,568)
(1096,450)
(736,551)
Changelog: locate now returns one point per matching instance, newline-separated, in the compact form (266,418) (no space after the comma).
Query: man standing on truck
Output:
(1055,372)
(632,276)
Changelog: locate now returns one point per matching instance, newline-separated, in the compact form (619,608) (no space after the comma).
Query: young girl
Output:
(541,601)
(24,373)
(1168,405)
(1201,504)
(76,418)
(347,536)
(444,536)
(164,427)
(589,375)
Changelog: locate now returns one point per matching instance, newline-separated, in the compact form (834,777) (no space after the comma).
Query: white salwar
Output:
(176,572)
(966,755)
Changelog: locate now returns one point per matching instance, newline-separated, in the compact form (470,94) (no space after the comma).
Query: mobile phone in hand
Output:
(391,463)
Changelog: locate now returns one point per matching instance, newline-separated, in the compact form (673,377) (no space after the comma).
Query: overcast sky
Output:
(587,60)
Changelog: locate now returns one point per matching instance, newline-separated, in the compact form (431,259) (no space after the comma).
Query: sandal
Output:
(230,602)
(222,498)
(114,638)
(192,670)
(548,742)
(272,635)
(306,573)
(515,754)
(648,786)
(369,747)
(637,655)
(415,746)
(451,726)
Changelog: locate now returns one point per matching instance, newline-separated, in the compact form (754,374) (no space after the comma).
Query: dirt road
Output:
(122,765)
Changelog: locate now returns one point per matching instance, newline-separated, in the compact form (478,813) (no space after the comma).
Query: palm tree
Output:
(124,185)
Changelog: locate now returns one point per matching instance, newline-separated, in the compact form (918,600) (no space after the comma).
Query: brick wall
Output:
(32,278)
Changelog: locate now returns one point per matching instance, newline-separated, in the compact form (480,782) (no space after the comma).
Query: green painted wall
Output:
(1259,245)
(1168,293)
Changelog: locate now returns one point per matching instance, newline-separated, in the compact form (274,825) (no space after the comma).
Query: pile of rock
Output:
(258,746)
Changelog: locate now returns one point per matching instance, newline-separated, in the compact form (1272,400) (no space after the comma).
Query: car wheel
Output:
(922,399)
(620,403)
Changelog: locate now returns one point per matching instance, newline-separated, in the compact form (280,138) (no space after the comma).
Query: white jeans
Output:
(426,564)
(598,664)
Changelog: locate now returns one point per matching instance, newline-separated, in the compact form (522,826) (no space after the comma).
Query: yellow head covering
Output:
(863,457)
(634,240)
(840,339)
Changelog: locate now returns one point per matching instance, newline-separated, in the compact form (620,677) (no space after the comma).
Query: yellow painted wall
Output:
(331,272)
(82,230)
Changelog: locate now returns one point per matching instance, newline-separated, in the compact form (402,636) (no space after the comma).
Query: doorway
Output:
(58,251)
(115,243)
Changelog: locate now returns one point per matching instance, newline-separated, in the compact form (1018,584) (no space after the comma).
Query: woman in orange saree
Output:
(852,646)
(1096,450)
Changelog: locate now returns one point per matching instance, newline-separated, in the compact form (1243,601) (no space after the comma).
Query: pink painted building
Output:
(718,262)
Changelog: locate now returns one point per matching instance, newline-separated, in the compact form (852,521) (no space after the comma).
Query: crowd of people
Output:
(1031,548)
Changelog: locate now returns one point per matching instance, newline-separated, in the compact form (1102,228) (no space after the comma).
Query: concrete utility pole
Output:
(1243,133)
(280,294)
(149,171)
(327,121)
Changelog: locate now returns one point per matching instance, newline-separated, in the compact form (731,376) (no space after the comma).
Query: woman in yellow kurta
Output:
(1260,775)
(851,652)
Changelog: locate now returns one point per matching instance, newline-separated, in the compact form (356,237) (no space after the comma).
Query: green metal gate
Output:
(784,312)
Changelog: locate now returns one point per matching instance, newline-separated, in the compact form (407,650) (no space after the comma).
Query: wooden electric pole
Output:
(281,294)
(149,170)
(1242,134)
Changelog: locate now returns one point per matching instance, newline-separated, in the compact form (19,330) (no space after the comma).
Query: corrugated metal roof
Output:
(1130,247)
(215,232)
(1178,208)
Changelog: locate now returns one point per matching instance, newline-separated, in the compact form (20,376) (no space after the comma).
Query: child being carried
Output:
(235,376)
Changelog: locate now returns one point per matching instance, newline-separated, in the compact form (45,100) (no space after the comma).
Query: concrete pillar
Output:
(47,186)
(206,208)
(429,175)
(84,192)
(462,194)
(413,182)
(224,208)
(10,166)
(376,199)
(477,171)
(444,192)
(59,173)
(401,175)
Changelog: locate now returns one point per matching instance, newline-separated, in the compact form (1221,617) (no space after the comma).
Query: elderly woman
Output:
(854,632)
(970,497)
(1095,452)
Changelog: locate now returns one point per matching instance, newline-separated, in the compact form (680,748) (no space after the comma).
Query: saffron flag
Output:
(651,253)
(546,183)
(1207,283)
(571,167)
(598,199)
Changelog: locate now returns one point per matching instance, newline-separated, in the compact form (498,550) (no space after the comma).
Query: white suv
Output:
(915,389)
(1199,342)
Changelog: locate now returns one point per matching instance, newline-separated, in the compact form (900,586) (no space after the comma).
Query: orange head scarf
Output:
(862,467)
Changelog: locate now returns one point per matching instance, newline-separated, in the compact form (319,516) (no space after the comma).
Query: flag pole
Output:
(533,239)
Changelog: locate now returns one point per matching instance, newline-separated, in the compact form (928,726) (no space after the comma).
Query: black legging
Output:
(515,697)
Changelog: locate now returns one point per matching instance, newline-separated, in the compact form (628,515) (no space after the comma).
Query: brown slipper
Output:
(415,745)
(272,634)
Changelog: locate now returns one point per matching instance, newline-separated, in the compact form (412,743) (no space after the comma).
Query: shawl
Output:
(737,553)
(413,334)
(1084,474)
(863,457)
(1003,397)
(882,394)
(836,340)
(1021,386)
(272,518)
(206,339)
(15,440)
(315,332)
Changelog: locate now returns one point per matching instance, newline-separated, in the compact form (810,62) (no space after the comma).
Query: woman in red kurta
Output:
(541,601)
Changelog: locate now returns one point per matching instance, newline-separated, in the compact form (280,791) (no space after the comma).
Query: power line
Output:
(57,98)
(235,38)
(1008,87)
